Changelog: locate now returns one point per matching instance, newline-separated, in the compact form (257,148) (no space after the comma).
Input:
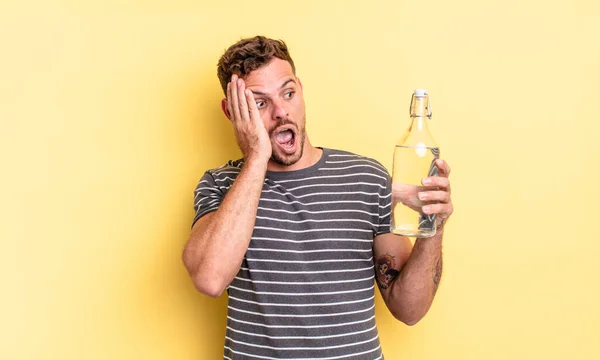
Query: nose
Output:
(279,111)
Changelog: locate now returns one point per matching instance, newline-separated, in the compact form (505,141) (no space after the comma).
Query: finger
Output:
(234,98)
(444,210)
(252,108)
(242,102)
(229,108)
(444,169)
(438,196)
(437,181)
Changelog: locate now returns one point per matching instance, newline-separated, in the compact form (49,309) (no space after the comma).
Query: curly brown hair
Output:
(248,55)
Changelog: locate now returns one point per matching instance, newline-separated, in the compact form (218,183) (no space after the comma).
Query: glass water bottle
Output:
(414,159)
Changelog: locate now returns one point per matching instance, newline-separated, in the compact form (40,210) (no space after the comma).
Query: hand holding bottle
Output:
(433,198)
(436,195)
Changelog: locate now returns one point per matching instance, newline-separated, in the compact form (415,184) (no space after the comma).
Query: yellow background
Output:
(110,114)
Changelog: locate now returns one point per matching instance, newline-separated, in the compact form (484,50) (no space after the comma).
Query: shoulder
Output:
(230,169)
(221,177)
(347,159)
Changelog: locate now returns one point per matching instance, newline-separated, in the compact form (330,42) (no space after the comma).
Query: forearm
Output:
(215,250)
(412,293)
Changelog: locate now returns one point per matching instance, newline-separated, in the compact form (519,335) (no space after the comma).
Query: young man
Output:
(297,234)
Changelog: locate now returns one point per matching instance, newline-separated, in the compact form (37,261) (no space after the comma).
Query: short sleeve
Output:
(385,207)
(207,196)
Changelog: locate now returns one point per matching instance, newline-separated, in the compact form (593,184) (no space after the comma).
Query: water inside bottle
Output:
(411,165)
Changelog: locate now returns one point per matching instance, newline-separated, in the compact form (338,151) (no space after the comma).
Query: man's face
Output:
(278,95)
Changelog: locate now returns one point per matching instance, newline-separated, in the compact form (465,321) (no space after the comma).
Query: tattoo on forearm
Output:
(437,275)
(385,269)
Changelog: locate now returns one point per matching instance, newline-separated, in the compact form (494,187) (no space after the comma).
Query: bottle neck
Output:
(418,133)
(420,106)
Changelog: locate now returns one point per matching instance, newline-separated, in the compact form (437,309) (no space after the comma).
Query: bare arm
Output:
(408,277)
(219,240)
(409,288)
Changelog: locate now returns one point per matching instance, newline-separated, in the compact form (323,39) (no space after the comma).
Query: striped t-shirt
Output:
(305,289)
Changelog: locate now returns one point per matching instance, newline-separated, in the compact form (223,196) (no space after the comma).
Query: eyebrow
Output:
(282,86)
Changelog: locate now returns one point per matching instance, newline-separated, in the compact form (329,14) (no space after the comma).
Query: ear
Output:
(225,109)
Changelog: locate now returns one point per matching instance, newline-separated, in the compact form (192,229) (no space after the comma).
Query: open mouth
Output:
(286,139)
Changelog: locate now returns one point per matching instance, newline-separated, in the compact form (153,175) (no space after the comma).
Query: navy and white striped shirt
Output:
(306,288)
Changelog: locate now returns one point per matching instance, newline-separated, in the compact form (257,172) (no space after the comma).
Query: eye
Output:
(288,95)
(261,104)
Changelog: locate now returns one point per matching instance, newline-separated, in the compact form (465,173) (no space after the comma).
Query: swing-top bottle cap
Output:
(421,92)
